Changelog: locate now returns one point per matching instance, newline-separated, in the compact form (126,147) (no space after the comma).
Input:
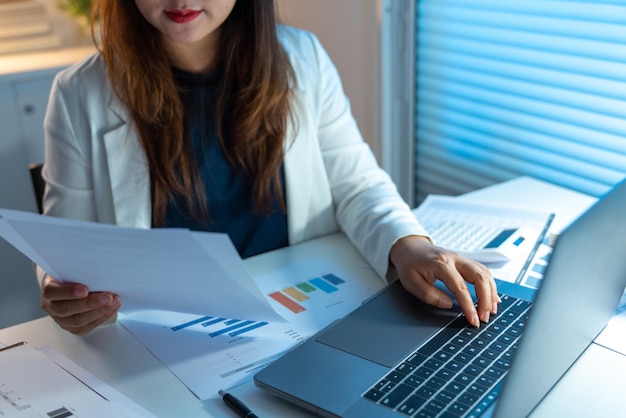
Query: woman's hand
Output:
(420,264)
(74,308)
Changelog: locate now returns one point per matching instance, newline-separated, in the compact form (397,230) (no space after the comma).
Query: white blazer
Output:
(96,169)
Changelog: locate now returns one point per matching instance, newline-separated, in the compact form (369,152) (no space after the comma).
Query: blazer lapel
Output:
(128,172)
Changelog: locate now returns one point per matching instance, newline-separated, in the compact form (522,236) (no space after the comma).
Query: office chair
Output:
(38,183)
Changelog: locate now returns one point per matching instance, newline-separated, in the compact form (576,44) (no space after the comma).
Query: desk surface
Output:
(590,388)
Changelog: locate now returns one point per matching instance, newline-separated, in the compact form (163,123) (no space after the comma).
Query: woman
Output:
(215,118)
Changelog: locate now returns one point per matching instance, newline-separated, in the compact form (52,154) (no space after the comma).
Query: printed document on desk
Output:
(42,383)
(455,223)
(168,269)
(208,353)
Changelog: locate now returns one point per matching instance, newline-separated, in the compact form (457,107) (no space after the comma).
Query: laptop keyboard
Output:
(458,372)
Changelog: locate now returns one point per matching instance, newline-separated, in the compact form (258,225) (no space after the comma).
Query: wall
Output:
(350,32)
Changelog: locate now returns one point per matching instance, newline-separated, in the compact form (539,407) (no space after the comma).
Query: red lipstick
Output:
(182,16)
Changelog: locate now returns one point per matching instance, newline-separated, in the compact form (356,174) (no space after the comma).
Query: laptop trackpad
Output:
(387,327)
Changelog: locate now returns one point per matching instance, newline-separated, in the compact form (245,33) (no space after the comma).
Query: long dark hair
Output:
(253,99)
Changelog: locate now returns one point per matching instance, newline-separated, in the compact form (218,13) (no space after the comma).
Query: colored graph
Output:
(294,297)
(217,326)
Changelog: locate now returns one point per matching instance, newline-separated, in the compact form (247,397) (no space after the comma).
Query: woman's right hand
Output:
(76,309)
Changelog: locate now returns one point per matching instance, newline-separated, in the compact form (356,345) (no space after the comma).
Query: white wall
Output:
(350,32)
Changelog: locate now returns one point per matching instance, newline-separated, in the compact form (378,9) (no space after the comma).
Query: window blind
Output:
(507,88)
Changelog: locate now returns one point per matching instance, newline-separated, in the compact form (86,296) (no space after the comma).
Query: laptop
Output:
(396,357)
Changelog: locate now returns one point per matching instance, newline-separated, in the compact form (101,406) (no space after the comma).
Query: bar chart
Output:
(295,297)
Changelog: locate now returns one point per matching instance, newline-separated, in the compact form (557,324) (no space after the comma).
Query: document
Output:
(208,353)
(165,269)
(38,383)
(466,221)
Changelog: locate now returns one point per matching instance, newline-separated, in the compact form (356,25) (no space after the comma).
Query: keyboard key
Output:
(412,405)
(454,388)
(445,374)
(476,389)
(498,346)
(387,387)
(494,372)
(485,381)
(470,350)
(502,364)
(416,359)
(464,379)
(426,392)
(473,370)
(486,402)
(481,362)
(381,384)
(435,382)
(445,396)
(454,365)
(463,358)
(397,395)
(395,376)
(405,368)
(520,306)
(435,406)
(458,409)
(450,348)
(433,364)
(425,414)
(468,399)
(413,380)
(459,371)
(423,372)
(374,395)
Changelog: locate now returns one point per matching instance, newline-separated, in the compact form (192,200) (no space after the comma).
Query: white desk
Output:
(590,388)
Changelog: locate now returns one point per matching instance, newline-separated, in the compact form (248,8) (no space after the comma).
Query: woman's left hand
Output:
(420,264)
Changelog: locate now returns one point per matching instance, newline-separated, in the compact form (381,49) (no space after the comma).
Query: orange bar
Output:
(287,303)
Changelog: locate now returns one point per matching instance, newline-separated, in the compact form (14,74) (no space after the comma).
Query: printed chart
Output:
(294,297)
(208,353)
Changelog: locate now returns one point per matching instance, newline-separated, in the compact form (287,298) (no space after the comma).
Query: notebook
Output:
(381,359)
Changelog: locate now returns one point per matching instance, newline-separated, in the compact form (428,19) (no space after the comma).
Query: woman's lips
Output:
(182,16)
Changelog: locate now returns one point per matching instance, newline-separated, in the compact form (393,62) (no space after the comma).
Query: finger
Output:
(481,278)
(456,284)
(54,290)
(427,292)
(70,307)
(85,328)
(495,298)
(82,323)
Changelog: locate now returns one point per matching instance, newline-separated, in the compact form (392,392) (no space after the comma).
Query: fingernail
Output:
(80,291)
(494,308)
(475,320)
(484,316)
(444,303)
(106,298)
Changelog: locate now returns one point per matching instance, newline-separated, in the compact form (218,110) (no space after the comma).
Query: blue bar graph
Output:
(190,323)
(250,328)
(323,285)
(214,321)
(333,279)
(231,328)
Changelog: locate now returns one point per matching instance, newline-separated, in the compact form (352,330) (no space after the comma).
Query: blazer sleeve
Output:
(367,205)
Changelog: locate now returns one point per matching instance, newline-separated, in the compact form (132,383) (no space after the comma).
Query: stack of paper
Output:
(167,269)
(38,383)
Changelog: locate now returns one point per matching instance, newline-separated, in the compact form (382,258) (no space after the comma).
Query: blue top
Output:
(229,192)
